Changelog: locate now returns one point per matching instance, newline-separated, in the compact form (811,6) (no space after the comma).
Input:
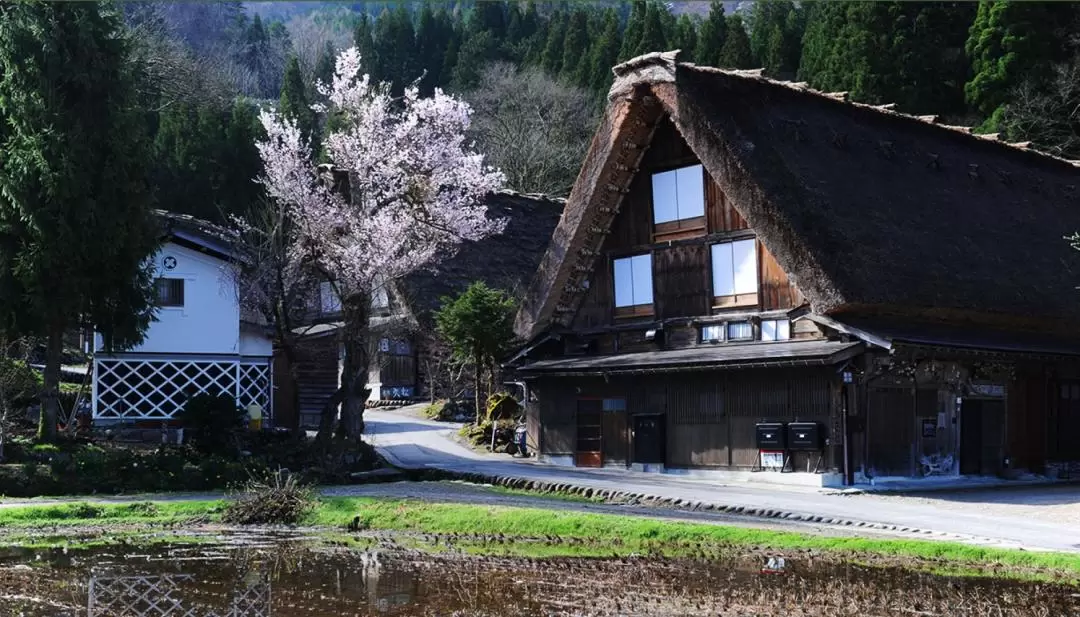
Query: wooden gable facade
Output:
(681,264)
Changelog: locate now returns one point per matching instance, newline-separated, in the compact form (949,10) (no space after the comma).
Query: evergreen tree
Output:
(475,51)
(575,45)
(552,57)
(653,37)
(635,28)
(394,46)
(736,54)
(293,102)
(1008,42)
(686,37)
(76,229)
(450,60)
(776,32)
(605,53)
(324,67)
(711,36)
(364,40)
(488,17)
(430,47)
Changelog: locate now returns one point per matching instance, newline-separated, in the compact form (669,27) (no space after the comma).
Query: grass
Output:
(82,513)
(540,532)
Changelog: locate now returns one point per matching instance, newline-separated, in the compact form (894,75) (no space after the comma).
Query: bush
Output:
(445,410)
(215,421)
(502,406)
(480,436)
(279,500)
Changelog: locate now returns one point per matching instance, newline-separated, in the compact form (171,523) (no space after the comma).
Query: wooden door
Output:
(649,439)
(589,449)
(971,433)
(890,431)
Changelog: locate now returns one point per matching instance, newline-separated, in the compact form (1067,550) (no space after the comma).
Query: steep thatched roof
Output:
(506,261)
(868,210)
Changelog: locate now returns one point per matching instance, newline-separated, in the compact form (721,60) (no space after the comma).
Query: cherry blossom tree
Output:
(401,191)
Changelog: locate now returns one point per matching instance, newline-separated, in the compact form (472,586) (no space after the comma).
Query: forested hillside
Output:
(537,71)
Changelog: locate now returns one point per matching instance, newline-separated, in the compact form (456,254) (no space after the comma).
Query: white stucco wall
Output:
(209,321)
(254,341)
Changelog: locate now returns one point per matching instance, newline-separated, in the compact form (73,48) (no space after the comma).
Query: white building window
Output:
(740,331)
(633,285)
(712,334)
(170,292)
(328,299)
(775,329)
(679,194)
(735,273)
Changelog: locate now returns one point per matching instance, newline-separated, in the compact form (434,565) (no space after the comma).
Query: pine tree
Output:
(1009,42)
(394,44)
(551,58)
(364,39)
(776,31)
(652,35)
(711,36)
(475,52)
(736,54)
(293,102)
(76,229)
(686,37)
(605,53)
(324,67)
(430,46)
(635,28)
(575,44)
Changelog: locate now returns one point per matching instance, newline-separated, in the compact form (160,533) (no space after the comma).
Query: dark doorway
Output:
(649,439)
(588,452)
(971,437)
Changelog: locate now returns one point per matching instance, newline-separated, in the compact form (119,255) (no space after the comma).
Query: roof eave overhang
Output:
(829,360)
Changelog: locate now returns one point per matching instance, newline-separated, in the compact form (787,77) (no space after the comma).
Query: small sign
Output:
(775,565)
(772,460)
(169,263)
(929,428)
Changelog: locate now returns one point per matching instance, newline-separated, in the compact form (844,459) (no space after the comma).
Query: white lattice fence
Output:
(162,596)
(156,389)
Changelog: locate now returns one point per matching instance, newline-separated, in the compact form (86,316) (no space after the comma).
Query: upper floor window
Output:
(170,291)
(775,329)
(380,300)
(633,286)
(328,299)
(740,331)
(679,201)
(712,334)
(735,274)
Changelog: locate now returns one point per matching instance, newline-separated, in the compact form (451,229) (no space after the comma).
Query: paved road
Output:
(415,443)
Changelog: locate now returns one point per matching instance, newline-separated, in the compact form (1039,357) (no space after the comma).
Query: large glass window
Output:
(678,194)
(735,273)
(633,285)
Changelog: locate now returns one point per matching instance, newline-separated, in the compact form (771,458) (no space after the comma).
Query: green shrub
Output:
(502,406)
(434,411)
(215,421)
(280,499)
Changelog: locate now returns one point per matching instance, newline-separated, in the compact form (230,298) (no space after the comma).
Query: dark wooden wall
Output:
(682,280)
(710,415)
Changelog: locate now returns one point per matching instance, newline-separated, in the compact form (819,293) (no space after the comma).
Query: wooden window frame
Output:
(745,300)
(741,339)
(634,311)
(681,229)
(176,283)
(778,321)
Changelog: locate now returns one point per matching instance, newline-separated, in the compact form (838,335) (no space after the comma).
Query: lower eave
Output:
(701,358)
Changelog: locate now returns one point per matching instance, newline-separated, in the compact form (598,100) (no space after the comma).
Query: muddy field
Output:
(257,576)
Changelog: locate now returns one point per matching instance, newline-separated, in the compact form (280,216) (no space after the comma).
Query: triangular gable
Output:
(862,206)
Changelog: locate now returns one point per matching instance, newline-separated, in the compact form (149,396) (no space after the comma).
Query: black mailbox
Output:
(770,435)
(804,436)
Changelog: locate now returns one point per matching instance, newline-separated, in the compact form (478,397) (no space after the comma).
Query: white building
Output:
(200,341)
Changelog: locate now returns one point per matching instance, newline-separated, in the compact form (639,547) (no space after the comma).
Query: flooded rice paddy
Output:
(286,576)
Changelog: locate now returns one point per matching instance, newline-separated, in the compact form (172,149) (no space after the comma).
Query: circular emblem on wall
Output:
(169,263)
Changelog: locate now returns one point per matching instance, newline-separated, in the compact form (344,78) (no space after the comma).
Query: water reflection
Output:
(288,578)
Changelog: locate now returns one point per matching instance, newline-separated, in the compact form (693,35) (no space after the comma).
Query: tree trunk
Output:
(50,394)
(478,370)
(357,313)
